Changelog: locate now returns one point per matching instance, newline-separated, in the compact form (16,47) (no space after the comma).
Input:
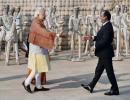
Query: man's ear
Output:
(106,17)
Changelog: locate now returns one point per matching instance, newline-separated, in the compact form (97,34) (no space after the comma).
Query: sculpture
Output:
(9,25)
(52,25)
(124,23)
(116,21)
(92,24)
(75,23)
(3,21)
(18,21)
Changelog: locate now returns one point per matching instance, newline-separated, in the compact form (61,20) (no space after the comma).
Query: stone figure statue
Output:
(116,21)
(92,24)
(124,28)
(52,25)
(18,20)
(75,23)
(9,27)
(3,23)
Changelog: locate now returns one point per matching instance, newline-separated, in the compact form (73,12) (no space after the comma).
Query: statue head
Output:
(101,8)
(50,10)
(6,9)
(54,9)
(117,9)
(17,9)
(93,9)
(76,11)
(88,20)
(126,9)
(11,11)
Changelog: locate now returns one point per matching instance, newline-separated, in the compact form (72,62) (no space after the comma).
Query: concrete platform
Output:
(64,80)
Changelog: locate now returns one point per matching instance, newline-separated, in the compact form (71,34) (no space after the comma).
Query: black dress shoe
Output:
(87,87)
(111,92)
(27,88)
(42,89)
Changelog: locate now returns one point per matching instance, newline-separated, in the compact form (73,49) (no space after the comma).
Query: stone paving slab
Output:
(64,80)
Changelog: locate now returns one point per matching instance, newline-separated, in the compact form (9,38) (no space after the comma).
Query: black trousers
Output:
(105,63)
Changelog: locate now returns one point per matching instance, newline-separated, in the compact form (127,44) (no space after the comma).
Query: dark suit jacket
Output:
(104,39)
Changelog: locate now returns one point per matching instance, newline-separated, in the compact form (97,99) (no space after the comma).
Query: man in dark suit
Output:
(104,51)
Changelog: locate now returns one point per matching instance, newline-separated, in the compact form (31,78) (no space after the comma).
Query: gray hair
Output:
(39,11)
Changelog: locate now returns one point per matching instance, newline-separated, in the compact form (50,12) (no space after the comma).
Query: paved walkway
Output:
(64,79)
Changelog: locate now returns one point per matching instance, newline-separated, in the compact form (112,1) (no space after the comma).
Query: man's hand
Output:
(87,37)
(52,34)
(62,34)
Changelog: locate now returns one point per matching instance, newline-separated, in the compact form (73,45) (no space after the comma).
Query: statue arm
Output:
(70,24)
(82,22)
(128,18)
(21,18)
(55,22)
(85,23)
(46,24)
(13,26)
(1,22)
(113,21)
(99,24)
(81,25)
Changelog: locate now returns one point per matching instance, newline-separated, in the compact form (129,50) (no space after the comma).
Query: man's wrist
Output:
(92,37)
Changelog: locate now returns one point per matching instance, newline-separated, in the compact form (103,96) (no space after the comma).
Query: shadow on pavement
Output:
(12,77)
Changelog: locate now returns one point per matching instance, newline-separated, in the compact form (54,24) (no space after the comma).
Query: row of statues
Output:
(120,21)
(91,25)
(11,29)
(55,24)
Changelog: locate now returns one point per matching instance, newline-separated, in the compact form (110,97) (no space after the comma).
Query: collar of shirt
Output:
(105,23)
